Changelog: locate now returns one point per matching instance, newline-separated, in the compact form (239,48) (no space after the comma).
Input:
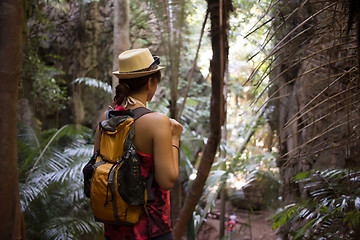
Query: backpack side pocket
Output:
(131,185)
(88,172)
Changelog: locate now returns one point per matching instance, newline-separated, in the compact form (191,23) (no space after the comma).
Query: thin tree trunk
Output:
(216,119)
(175,13)
(11,26)
(222,210)
(222,189)
(193,66)
(121,33)
(176,22)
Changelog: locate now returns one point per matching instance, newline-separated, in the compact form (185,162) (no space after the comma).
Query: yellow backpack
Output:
(112,177)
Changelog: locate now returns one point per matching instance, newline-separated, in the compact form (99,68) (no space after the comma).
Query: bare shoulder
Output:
(154,120)
(155,117)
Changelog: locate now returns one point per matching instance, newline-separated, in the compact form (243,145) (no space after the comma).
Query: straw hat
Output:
(137,63)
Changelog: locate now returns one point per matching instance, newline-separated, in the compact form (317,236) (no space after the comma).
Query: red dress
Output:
(154,224)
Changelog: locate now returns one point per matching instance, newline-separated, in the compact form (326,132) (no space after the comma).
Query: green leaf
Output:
(301,233)
(284,216)
(301,176)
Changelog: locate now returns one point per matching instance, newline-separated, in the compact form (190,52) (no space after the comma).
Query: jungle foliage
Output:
(289,46)
(330,211)
(51,182)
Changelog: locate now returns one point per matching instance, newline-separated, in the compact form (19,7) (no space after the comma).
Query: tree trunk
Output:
(175,21)
(11,26)
(216,116)
(121,33)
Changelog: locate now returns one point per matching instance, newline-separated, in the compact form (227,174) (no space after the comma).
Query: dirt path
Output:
(249,225)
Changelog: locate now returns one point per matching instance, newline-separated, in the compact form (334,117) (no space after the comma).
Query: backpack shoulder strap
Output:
(140,111)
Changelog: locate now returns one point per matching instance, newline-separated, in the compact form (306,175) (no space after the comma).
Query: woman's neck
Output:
(134,102)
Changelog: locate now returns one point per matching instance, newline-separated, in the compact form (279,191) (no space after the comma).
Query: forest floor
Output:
(250,225)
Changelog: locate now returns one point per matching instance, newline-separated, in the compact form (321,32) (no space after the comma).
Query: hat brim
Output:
(135,74)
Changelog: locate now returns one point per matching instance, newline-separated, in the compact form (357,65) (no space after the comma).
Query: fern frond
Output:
(92,82)
(71,228)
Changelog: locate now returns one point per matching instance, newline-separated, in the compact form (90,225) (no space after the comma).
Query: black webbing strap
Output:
(112,185)
(135,113)
(140,111)
(150,195)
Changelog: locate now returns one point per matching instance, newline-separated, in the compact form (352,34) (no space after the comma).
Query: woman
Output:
(156,140)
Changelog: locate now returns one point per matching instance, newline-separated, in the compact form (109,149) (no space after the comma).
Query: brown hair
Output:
(127,86)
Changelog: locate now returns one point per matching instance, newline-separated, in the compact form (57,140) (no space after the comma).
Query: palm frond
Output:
(70,228)
(81,134)
(71,172)
(55,185)
(331,209)
(92,82)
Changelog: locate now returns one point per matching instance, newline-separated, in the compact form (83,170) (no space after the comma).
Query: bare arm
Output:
(166,133)
(176,130)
